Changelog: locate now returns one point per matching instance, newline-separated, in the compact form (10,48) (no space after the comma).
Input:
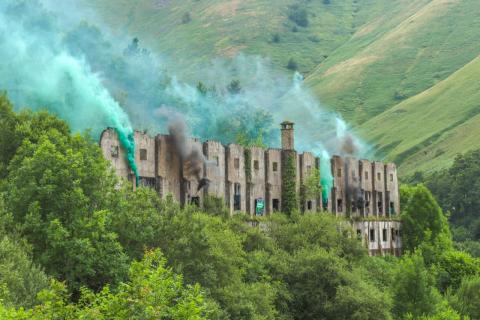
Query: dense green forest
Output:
(76,244)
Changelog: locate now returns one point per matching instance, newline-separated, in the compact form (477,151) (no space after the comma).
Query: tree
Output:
(299,15)
(453,266)
(234,87)
(413,288)
(423,220)
(466,299)
(20,279)
(186,18)
(152,292)
(57,190)
(292,65)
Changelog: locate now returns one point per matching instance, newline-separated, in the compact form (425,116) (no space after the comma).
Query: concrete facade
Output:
(307,165)
(214,168)
(256,180)
(236,179)
(338,190)
(366,186)
(365,192)
(168,168)
(392,201)
(273,179)
(378,175)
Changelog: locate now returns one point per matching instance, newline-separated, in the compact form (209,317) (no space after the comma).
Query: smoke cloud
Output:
(93,80)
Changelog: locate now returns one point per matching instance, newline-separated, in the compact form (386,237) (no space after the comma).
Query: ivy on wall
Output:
(289,177)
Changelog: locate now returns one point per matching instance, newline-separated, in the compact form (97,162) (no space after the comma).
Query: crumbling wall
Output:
(114,153)
(214,168)
(380,237)
(338,190)
(192,174)
(392,201)
(256,179)
(145,159)
(307,165)
(168,168)
(273,171)
(235,179)
(354,197)
(366,185)
(378,172)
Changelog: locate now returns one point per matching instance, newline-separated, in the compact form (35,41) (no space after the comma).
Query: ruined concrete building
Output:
(250,180)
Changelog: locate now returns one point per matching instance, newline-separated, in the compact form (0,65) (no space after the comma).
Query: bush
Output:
(292,65)
(298,15)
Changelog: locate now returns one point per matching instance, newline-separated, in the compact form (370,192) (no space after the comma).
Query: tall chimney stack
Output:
(287,135)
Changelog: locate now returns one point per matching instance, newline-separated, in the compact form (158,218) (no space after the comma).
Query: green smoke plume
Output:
(37,71)
(326,178)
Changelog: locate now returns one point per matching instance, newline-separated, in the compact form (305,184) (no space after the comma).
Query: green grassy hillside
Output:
(403,72)
(397,56)
(226,27)
(426,131)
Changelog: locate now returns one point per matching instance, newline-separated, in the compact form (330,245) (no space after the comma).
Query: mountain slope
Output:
(397,56)
(226,27)
(426,131)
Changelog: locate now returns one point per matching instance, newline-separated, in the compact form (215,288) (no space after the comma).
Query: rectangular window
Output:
(339,173)
(143,154)
(114,151)
(275,166)
(366,175)
(236,163)
(339,205)
(359,233)
(309,205)
(391,177)
(392,232)
(372,235)
(384,235)
(379,176)
(256,166)
(275,204)
(237,197)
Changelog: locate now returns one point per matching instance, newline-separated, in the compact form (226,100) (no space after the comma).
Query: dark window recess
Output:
(114,151)
(353,174)
(256,166)
(195,201)
(309,169)
(392,232)
(392,208)
(366,175)
(339,173)
(275,166)
(384,234)
(275,204)
(309,205)
(236,163)
(391,177)
(148,182)
(339,205)
(237,197)
(372,235)
(379,176)
(359,233)
(143,154)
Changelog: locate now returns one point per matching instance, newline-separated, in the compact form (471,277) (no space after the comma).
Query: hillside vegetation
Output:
(379,63)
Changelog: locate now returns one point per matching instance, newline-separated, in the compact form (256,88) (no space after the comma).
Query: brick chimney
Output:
(287,135)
